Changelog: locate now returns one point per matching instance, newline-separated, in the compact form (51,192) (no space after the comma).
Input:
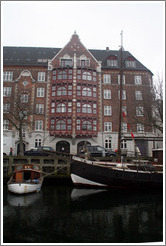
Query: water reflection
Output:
(61,214)
(23,200)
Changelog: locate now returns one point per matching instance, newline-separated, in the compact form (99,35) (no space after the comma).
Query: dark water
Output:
(63,214)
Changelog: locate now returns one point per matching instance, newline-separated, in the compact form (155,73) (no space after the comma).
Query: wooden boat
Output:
(115,175)
(26,178)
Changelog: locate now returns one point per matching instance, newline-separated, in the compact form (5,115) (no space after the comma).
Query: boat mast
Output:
(120,97)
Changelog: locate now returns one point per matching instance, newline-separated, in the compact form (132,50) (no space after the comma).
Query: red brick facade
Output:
(73,94)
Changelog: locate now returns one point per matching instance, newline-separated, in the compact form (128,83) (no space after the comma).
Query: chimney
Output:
(107,48)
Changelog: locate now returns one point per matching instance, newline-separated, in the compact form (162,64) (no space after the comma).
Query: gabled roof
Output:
(38,56)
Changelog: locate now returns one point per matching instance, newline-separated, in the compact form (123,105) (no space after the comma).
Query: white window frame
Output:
(38,125)
(112,62)
(140,128)
(38,142)
(123,94)
(6,107)
(107,94)
(137,80)
(40,108)
(107,126)
(108,110)
(107,78)
(5,124)
(108,143)
(86,76)
(129,63)
(139,111)
(40,92)
(124,144)
(41,76)
(124,127)
(123,79)
(24,98)
(138,95)
(7,76)
(7,91)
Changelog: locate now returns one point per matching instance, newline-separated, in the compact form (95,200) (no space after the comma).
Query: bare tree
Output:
(152,106)
(19,114)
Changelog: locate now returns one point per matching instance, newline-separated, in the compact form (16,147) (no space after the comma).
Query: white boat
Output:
(26,178)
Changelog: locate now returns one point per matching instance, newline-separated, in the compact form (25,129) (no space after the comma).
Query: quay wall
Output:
(52,167)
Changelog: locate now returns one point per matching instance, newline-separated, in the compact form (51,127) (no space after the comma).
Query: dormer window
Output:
(112,61)
(66,63)
(130,62)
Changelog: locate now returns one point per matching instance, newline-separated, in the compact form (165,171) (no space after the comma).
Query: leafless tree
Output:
(19,114)
(153,106)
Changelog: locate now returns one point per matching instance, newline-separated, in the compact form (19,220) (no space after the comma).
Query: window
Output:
(108,126)
(106,78)
(61,91)
(138,95)
(123,94)
(5,124)
(86,92)
(24,98)
(40,92)
(7,76)
(86,125)
(140,127)
(139,111)
(107,94)
(123,79)
(107,110)
(40,108)
(38,125)
(62,75)
(23,133)
(83,63)
(23,114)
(86,76)
(108,143)
(60,125)
(66,63)
(41,76)
(7,91)
(6,107)
(61,108)
(86,108)
(38,142)
(124,127)
(112,61)
(130,62)
(69,107)
(124,144)
(137,80)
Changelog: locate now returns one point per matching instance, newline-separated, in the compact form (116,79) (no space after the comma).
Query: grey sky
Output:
(98,24)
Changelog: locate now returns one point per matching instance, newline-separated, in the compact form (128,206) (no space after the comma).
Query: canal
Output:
(61,213)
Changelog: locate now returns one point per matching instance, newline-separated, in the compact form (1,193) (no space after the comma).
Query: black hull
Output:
(113,178)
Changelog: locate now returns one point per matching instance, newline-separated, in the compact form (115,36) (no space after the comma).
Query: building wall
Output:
(72,79)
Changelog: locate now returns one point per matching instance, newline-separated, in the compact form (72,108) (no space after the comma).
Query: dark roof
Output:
(37,56)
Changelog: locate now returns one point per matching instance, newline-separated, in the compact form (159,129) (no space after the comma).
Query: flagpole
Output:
(120,98)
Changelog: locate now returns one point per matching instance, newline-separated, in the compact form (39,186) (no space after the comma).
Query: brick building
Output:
(71,95)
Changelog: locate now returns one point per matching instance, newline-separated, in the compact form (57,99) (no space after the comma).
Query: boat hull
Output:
(86,174)
(23,188)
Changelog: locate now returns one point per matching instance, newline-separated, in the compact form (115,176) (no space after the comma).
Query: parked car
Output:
(97,151)
(35,152)
(45,148)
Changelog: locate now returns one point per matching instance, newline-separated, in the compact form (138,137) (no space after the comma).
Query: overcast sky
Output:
(98,24)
